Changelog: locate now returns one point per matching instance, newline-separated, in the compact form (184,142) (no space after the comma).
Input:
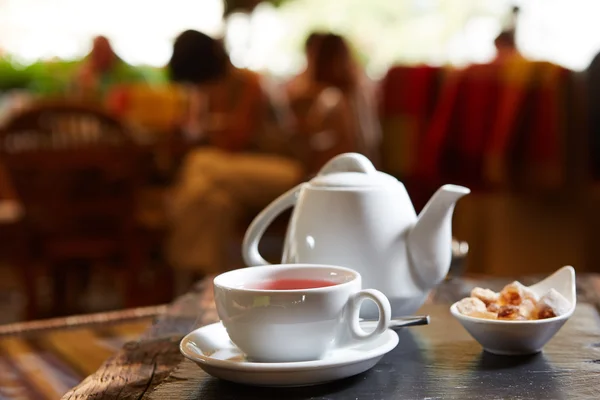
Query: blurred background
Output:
(138,139)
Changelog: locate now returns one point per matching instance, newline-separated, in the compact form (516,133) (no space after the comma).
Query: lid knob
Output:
(348,162)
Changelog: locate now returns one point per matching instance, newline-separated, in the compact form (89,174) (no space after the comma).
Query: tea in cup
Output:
(294,312)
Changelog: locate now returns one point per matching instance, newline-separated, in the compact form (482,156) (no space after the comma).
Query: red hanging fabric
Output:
(544,147)
(435,137)
(516,77)
(406,102)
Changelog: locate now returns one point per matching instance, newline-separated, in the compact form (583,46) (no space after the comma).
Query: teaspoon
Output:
(399,322)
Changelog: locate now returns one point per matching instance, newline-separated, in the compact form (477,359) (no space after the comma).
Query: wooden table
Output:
(43,359)
(10,208)
(437,361)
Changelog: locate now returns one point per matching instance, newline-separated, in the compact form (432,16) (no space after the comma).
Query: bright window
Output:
(142,31)
(383,31)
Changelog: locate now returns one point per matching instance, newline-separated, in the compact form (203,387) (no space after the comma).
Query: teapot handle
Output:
(260,224)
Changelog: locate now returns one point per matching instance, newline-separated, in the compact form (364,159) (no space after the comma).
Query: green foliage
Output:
(154,75)
(52,77)
(48,77)
(12,76)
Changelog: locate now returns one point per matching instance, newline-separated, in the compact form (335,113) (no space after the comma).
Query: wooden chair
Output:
(77,173)
(12,239)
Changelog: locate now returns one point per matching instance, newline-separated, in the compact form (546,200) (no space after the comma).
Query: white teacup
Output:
(274,325)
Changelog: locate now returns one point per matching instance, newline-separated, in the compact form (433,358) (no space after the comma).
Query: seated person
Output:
(243,162)
(336,107)
(101,70)
(299,84)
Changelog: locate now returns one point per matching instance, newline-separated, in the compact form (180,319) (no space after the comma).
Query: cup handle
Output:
(385,313)
(260,224)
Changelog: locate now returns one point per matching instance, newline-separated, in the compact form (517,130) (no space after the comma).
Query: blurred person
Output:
(505,42)
(242,163)
(337,107)
(101,70)
(506,47)
(299,84)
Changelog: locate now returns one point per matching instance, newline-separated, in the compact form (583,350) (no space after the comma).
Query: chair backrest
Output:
(54,125)
(75,170)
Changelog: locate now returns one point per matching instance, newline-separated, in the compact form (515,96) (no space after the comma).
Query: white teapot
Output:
(352,215)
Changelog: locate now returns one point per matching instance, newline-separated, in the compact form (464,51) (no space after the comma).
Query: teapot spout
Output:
(430,240)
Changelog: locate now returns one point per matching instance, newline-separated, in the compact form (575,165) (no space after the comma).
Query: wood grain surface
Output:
(142,365)
(436,361)
(43,364)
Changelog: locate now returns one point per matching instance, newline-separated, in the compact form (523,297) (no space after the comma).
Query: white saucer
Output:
(211,348)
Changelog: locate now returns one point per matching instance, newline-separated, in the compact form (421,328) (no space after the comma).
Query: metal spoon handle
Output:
(400,322)
(418,320)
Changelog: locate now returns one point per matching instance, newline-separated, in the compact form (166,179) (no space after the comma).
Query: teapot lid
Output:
(351,170)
